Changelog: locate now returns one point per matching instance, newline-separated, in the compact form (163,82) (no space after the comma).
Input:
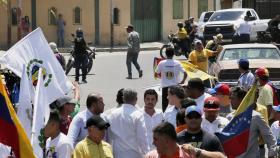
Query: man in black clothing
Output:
(195,135)
(80,55)
(273,28)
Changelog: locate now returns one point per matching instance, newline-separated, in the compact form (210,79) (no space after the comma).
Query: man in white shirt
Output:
(195,89)
(175,96)
(169,70)
(57,145)
(152,116)
(77,131)
(211,121)
(128,133)
(244,31)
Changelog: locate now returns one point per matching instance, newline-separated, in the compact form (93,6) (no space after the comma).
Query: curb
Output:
(67,50)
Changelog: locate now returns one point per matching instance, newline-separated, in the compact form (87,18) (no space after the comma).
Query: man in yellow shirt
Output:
(93,146)
(199,56)
(183,38)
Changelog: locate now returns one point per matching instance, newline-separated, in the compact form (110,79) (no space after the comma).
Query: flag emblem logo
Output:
(33,67)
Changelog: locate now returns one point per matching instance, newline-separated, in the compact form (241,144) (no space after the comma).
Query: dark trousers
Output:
(132,57)
(244,38)
(164,98)
(81,63)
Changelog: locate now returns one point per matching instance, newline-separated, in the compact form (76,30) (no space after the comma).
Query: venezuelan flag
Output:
(11,132)
(236,133)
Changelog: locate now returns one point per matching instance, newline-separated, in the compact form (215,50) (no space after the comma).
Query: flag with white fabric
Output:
(40,116)
(34,52)
(24,111)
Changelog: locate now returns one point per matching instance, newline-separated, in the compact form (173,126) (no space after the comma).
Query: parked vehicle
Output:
(226,67)
(204,17)
(228,20)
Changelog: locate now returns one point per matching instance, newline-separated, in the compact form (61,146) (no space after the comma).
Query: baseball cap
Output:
(53,47)
(98,122)
(243,63)
(220,88)
(129,26)
(191,18)
(262,72)
(192,109)
(212,104)
(197,42)
(63,100)
(218,37)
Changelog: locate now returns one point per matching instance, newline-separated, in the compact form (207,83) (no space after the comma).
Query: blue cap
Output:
(276,108)
(193,108)
(244,63)
(221,88)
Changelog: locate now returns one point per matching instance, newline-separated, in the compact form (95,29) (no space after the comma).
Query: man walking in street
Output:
(133,43)
(169,70)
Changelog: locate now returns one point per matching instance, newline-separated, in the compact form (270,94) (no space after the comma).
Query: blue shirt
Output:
(77,131)
(246,80)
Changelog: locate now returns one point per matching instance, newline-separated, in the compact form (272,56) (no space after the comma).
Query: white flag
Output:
(40,116)
(33,51)
(24,111)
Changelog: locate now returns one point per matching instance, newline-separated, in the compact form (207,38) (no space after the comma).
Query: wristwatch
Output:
(197,152)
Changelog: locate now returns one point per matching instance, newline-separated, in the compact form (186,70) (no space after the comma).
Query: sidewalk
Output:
(144,47)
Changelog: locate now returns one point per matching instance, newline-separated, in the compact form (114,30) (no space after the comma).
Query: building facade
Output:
(103,21)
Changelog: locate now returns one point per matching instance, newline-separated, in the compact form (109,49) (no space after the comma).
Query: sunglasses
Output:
(193,115)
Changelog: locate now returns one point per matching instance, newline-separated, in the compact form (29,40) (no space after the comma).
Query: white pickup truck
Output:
(228,20)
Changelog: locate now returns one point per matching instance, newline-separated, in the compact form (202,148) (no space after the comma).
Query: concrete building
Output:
(103,21)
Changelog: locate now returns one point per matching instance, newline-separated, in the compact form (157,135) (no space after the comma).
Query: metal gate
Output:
(266,9)
(146,18)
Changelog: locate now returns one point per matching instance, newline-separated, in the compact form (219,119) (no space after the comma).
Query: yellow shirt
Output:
(182,34)
(89,149)
(200,59)
(263,111)
(265,95)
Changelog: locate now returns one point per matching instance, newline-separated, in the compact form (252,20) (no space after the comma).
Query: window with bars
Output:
(202,6)
(178,9)
(77,16)
(52,16)
(14,13)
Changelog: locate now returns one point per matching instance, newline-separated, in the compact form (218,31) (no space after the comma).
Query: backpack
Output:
(276,94)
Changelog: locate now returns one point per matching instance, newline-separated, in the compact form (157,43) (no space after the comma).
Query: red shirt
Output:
(64,125)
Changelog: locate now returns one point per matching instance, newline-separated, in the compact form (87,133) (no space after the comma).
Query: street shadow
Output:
(90,74)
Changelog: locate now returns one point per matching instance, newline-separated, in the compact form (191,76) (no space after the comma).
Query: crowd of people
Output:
(186,125)
(185,128)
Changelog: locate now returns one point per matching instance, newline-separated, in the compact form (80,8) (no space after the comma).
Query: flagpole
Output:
(35,105)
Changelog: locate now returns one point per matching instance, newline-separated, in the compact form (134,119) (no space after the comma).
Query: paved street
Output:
(109,74)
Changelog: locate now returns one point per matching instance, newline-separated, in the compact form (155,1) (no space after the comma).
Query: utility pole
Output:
(19,10)
(9,26)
